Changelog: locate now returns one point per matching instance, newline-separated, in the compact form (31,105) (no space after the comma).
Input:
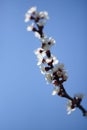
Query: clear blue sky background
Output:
(26,102)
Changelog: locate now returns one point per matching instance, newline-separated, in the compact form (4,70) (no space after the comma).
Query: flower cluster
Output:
(39,19)
(72,104)
(49,65)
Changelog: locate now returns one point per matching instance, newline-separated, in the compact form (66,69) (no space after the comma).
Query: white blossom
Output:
(55,60)
(41,54)
(55,91)
(48,60)
(32,10)
(42,69)
(30,27)
(37,35)
(58,66)
(46,47)
(44,14)
(51,40)
(69,107)
(41,23)
(27,17)
(40,58)
(45,39)
(48,77)
(47,43)
(40,51)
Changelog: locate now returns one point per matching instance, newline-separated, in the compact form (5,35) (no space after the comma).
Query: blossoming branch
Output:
(49,65)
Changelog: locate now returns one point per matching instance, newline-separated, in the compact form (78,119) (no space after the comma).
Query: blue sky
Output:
(26,102)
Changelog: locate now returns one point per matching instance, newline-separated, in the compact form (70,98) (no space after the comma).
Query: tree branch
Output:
(49,65)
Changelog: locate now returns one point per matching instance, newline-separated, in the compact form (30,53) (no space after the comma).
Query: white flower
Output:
(40,58)
(55,61)
(41,23)
(46,47)
(40,51)
(69,110)
(37,35)
(42,69)
(51,40)
(55,91)
(44,14)
(48,60)
(30,28)
(27,17)
(48,77)
(69,107)
(32,10)
(58,66)
(47,43)
(45,39)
